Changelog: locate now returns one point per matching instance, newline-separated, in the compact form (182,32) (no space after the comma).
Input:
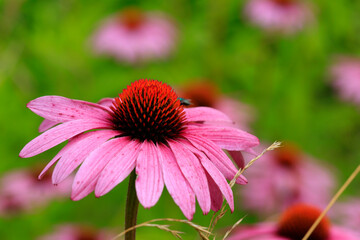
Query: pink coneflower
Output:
(21,191)
(134,36)
(283,177)
(146,129)
(346,78)
(285,16)
(293,225)
(76,232)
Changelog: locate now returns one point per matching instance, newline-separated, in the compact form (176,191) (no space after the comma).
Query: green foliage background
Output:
(44,50)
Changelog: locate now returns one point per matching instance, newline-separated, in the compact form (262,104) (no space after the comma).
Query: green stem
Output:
(132,204)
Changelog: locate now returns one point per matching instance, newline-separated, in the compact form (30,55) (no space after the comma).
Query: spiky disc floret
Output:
(297,220)
(148,110)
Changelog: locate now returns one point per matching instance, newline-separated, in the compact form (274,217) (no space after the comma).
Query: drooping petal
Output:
(219,179)
(227,138)
(82,146)
(94,164)
(149,183)
(238,158)
(215,193)
(204,114)
(217,156)
(47,124)
(61,109)
(118,168)
(176,183)
(59,134)
(193,172)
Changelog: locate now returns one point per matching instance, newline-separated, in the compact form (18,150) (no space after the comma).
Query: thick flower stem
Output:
(132,204)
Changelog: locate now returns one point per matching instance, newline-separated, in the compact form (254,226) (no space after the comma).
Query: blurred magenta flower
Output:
(22,191)
(286,16)
(134,36)
(146,129)
(346,78)
(294,224)
(76,232)
(347,213)
(202,92)
(283,177)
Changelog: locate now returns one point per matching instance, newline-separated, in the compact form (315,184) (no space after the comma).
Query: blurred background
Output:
(282,77)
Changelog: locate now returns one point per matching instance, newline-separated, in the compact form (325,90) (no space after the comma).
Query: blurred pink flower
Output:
(134,36)
(22,191)
(205,93)
(146,129)
(347,213)
(346,78)
(76,232)
(283,177)
(286,16)
(294,224)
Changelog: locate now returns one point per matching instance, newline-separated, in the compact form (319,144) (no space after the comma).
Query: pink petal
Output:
(225,137)
(59,134)
(215,193)
(82,146)
(53,161)
(201,114)
(237,158)
(149,182)
(118,168)
(106,102)
(175,182)
(94,164)
(219,179)
(46,124)
(217,156)
(61,109)
(193,172)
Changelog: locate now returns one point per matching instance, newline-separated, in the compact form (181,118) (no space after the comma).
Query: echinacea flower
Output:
(345,72)
(134,36)
(20,190)
(76,232)
(146,129)
(286,16)
(293,225)
(205,93)
(283,177)
(347,213)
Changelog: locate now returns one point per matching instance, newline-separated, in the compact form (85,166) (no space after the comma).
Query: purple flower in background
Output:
(347,213)
(76,232)
(293,225)
(22,191)
(286,16)
(346,78)
(146,129)
(283,177)
(134,36)
(203,92)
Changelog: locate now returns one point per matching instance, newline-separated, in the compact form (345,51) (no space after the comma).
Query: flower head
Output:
(146,129)
(283,177)
(285,16)
(293,225)
(346,78)
(133,36)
